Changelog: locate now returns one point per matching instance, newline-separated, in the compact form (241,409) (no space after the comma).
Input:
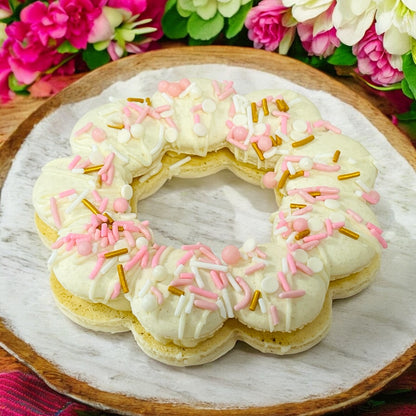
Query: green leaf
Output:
(15,85)
(173,24)
(343,56)
(236,22)
(406,89)
(409,70)
(205,29)
(413,50)
(66,47)
(169,4)
(93,58)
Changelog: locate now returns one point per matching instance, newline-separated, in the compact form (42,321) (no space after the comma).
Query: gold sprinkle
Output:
(302,234)
(297,174)
(304,141)
(136,100)
(175,290)
(90,206)
(148,102)
(254,300)
(282,105)
(254,114)
(283,179)
(336,156)
(116,126)
(122,278)
(265,106)
(296,206)
(278,139)
(348,233)
(274,141)
(110,220)
(258,151)
(348,175)
(91,169)
(116,253)
(314,194)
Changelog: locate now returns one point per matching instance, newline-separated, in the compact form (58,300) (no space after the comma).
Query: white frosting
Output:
(290,274)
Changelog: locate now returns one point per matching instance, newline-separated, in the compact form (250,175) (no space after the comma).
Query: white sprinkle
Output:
(249,245)
(281,135)
(262,305)
(200,129)
(108,265)
(198,278)
(362,185)
(171,134)
(221,307)
(145,288)
(121,156)
(229,308)
(167,113)
(315,264)
(149,302)
(124,258)
(209,266)
(291,168)
(190,304)
(285,267)
(178,270)
(270,153)
(306,163)
(315,224)
(126,191)
(52,257)
(159,273)
(153,172)
(270,284)
(332,204)
(77,170)
(233,282)
(123,136)
(300,255)
(280,230)
(181,326)
(137,130)
(77,201)
(180,305)
(167,97)
(187,90)
(208,105)
(299,125)
(180,163)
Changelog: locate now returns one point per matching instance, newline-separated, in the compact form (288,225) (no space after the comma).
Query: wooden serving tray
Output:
(92,84)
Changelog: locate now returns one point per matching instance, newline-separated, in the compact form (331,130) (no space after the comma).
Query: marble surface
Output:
(368,331)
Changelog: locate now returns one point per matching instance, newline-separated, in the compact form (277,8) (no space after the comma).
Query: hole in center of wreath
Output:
(216,210)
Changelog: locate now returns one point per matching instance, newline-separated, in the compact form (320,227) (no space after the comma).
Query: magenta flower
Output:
(374,60)
(48,21)
(82,14)
(271,26)
(5,71)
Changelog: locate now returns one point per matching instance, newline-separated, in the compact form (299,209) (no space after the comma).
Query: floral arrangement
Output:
(43,39)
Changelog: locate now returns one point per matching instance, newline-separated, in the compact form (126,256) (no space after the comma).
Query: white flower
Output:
(396,19)
(207,9)
(303,10)
(352,18)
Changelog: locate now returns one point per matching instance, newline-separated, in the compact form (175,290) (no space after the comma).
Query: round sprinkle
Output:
(269,180)
(332,204)
(137,130)
(120,205)
(121,244)
(300,224)
(306,163)
(200,129)
(149,302)
(126,191)
(259,129)
(337,217)
(84,247)
(123,136)
(159,273)
(208,106)
(315,264)
(300,126)
(171,134)
(240,133)
(141,241)
(240,120)
(300,255)
(96,157)
(249,245)
(98,134)
(231,254)
(269,284)
(315,224)
(265,143)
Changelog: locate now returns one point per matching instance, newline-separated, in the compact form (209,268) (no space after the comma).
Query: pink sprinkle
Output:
(372,197)
(98,134)
(136,258)
(378,236)
(307,197)
(247,294)
(326,168)
(114,229)
(111,239)
(171,123)
(189,276)
(110,175)
(107,163)
(143,114)
(144,230)
(97,267)
(291,263)
(302,211)
(292,294)
(224,279)
(216,279)
(126,111)
(324,197)
(69,192)
(202,292)
(205,304)
(129,237)
(196,108)
(226,94)
(354,215)
(229,124)
(156,257)
(116,290)
(145,260)
(179,282)
(254,268)
(310,245)
(103,205)
(197,119)
(339,224)
(58,243)
(328,225)
(96,196)
(260,253)
(274,314)
(309,127)
(241,146)
(163,108)
(331,127)
(84,129)
(74,162)
(135,106)
(372,226)
(104,230)
(192,246)
(158,294)
(303,268)
(55,212)
(328,189)
(231,110)
(207,252)
(216,88)
(282,280)
(315,237)
(185,258)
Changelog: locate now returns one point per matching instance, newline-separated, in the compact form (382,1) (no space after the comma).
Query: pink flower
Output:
(82,14)
(270,25)
(49,21)
(318,36)
(374,60)
(5,71)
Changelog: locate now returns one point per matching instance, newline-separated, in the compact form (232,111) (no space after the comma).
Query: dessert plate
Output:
(371,341)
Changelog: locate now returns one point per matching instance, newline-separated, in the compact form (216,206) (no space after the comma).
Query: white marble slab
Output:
(368,332)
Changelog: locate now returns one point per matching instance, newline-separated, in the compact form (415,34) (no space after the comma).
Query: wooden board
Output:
(93,84)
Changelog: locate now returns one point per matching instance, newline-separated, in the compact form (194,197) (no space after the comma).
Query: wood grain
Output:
(92,84)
